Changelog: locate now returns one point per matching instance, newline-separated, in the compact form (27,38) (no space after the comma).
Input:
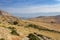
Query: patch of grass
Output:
(12,28)
(33,37)
(50,30)
(13,31)
(41,28)
(33,26)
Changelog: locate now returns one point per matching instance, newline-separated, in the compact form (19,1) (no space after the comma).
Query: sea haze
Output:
(30,15)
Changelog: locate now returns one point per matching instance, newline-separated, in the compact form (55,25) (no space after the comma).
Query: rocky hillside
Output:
(13,28)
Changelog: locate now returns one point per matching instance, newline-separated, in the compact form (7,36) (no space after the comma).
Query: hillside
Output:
(13,28)
(51,22)
(48,19)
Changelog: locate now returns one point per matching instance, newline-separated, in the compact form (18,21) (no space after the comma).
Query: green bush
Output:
(14,32)
(42,36)
(33,37)
(15,22)
(33,26)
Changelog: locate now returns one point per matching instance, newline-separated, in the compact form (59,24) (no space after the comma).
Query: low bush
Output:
(15,22)
(42,36)
(33,26)
(11,28)
(33,37)
(14,32)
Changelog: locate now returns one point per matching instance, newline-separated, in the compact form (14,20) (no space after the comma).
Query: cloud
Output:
(31,8)
(34,9)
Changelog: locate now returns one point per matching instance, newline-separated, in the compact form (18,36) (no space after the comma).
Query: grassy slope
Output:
(47,33)
(23,31)
(47,25)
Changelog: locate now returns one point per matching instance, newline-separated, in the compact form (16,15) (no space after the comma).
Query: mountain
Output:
(4,13)
(13,28)
(48,19)
(5,17)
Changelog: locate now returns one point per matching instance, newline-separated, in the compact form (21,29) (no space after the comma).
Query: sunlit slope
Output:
(13,28)
(24,31)
(52,22)
(47,25)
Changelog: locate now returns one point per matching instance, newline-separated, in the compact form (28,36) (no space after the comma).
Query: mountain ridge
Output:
(55,19)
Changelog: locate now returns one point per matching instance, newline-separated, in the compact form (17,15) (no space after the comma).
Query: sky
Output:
(31,8)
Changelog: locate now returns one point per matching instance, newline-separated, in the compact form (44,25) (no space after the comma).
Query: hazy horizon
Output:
(36,15)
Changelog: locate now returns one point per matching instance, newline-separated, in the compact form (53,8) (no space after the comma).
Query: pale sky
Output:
(27,8)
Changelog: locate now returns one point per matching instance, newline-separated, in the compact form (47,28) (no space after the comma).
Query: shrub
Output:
(14,32)
(11,28)
(34,26)
(42,36)
(33,37)
(15,22)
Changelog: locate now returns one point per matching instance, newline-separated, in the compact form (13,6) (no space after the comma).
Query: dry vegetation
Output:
(12,28)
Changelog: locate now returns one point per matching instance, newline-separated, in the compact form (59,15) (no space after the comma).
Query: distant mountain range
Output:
(55,19)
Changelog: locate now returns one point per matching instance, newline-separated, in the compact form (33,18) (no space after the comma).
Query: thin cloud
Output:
(35,9)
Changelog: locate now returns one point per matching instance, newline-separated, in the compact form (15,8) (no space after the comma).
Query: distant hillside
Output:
(48,19)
